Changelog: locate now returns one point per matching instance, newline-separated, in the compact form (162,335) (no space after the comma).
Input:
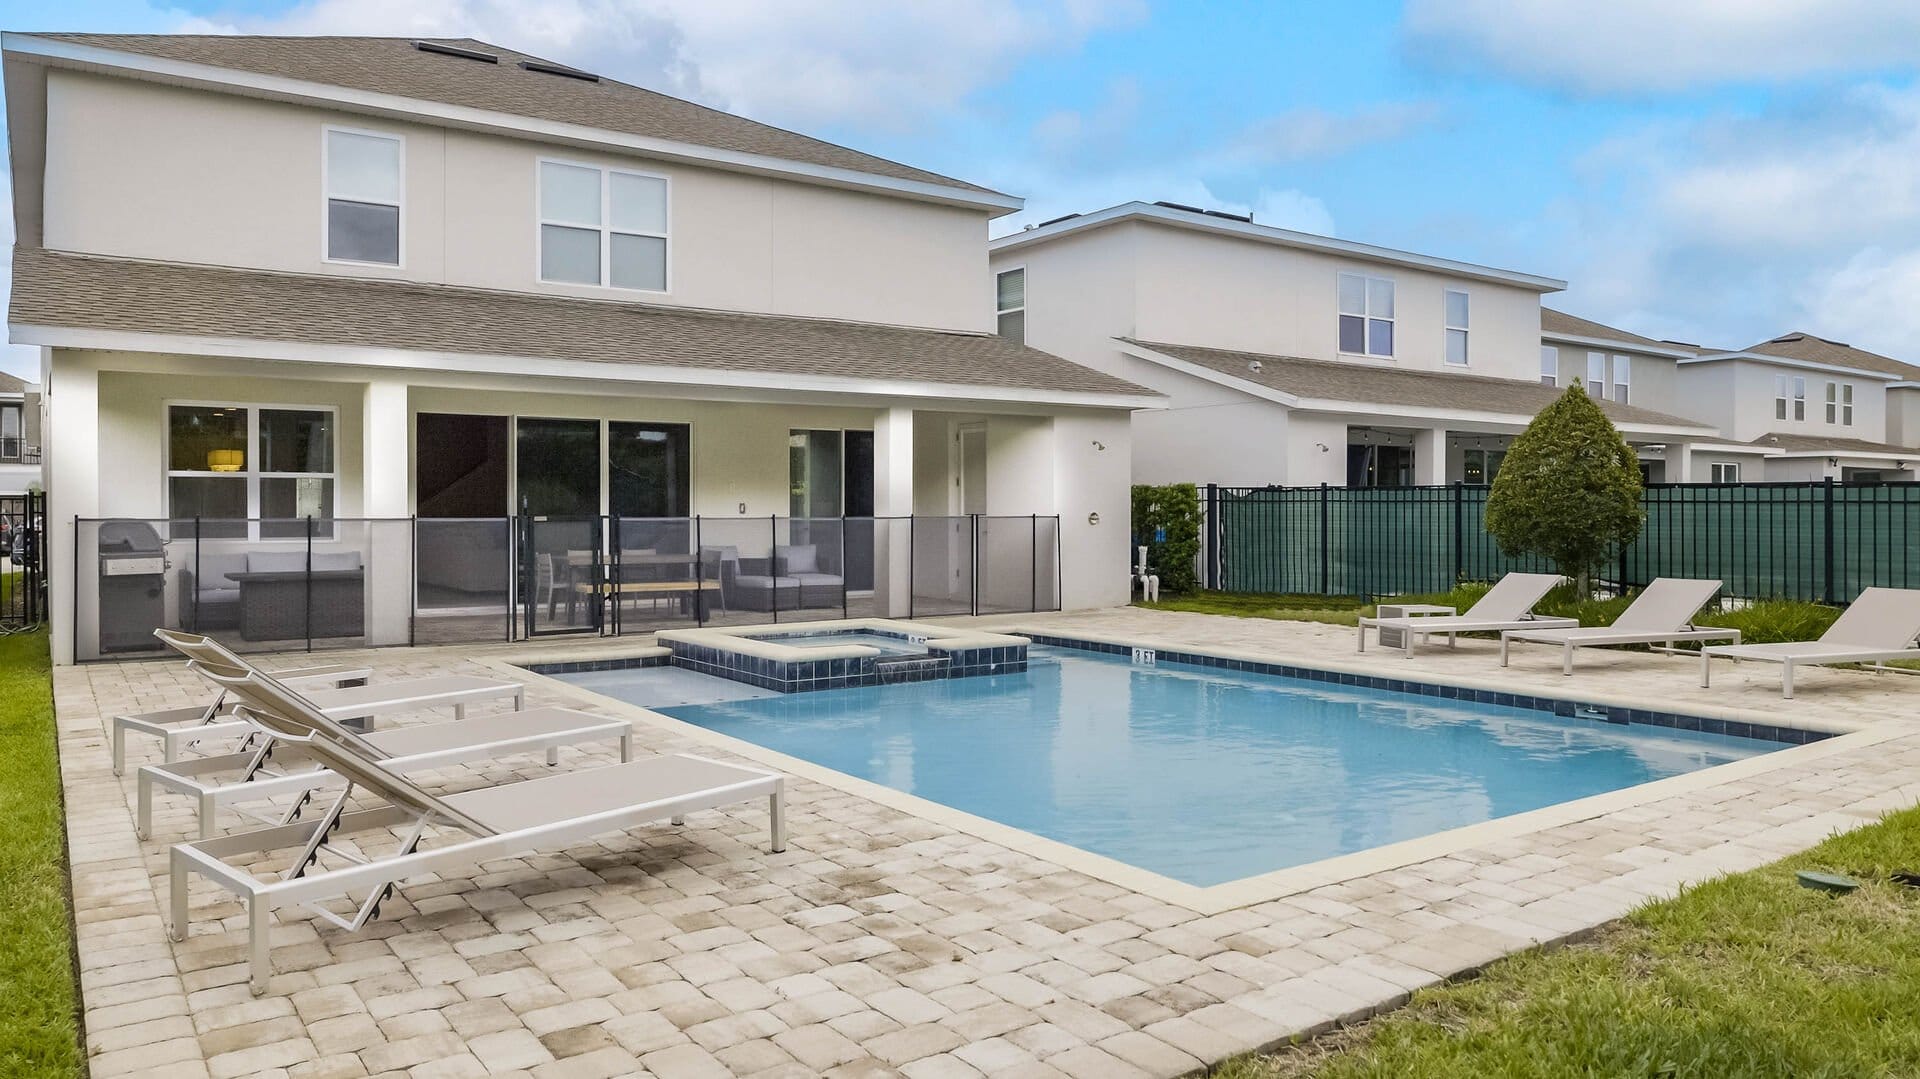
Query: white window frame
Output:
(1448,328)
(251,474)
(327,195)
(1799,398)
(605,227)
(1022,309)
(1840,404)
(1596,383)
(1366,315)
(1833,402)
(1549,366)
(1725,472)
(1780,410)
(1622,378)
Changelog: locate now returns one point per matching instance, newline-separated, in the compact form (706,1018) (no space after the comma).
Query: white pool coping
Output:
(749,640)
(1264,887)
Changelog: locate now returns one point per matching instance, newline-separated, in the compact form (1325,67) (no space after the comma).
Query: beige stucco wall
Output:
(149,171)
(1653,380)
(1738,397)
(1903,416)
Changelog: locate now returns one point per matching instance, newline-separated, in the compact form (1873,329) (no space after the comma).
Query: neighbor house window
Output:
(1622,378)
(251,471)
(1726,472)
(363,192)
(1789,397)
(1799,398)
(1456,316)
(603,227)
(1366,315)
(10,428)
(1010,302)
(1482,465)
(1779,397)
(1840,403)
(1597,375)
(1549,366)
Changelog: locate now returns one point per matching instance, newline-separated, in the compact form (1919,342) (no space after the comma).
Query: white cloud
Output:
(1308,133)
(846,62)
(1642,46)
(1868,301)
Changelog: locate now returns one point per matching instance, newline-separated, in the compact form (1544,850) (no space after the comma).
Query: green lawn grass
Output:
(38,1019)
(1750,975)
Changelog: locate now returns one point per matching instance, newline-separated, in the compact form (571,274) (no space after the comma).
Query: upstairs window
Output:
(1549,366)
(1366,315)
(1455,302)
(1799,392)
(1622,378)
(1010,302)
(1597,375)
(603,227)
(1840,403)
(363,193)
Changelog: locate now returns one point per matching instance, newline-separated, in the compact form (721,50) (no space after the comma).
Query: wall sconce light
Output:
(226,460)
(1093,518)
(1833,462)
(1323,447)
(1099,446)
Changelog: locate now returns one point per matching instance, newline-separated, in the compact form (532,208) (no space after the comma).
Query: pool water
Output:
(1205,775)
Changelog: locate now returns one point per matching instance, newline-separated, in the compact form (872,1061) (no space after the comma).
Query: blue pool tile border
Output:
(810,676)
(1558,706)
(617,663)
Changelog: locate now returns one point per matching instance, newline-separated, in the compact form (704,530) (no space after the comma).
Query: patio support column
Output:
(892,498)
(1679,466)
(72,460)
(1430,457)
(388,537)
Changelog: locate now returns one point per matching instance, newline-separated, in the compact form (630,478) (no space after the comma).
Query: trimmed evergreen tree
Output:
(1568,490)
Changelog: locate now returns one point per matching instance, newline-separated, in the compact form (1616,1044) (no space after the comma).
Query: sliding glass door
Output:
(558,467)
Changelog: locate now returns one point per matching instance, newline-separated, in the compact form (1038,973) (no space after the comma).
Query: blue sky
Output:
(1715,172)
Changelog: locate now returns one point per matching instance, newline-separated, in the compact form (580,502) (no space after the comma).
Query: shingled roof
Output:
(1559,323)
(87,292)
(388,65)
(1326,380)
(1839,447)
(1807,347)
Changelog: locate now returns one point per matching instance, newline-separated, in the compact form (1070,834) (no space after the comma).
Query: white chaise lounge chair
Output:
(1880,625)
(1662,614)
(184,729)
(269,770)
(333,853)
(1507,605)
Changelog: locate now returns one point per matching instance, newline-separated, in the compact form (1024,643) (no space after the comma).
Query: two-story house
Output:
(1293,359)
(1624,367)
(289,289)
(19,435)
(1813,408)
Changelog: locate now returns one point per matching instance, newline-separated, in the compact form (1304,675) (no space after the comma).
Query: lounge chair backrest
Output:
(291,713)
(1667,603)
(369,776)
(1513,596)
(1884,619)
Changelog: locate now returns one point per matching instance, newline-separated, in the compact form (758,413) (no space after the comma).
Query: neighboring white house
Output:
(1817,409)
(353,278)
(1623,367)
(1292,359)
(19,435)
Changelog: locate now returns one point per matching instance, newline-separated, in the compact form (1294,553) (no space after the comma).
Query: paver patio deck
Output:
(885,942)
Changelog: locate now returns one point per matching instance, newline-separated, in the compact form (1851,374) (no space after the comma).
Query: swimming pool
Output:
(888,643)
(1201,774)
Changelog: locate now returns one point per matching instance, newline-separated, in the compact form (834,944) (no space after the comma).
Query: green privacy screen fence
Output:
(1814,541)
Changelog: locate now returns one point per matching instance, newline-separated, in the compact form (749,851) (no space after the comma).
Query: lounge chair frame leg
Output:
(1566,660)
(177,896)
(1786,680)
(1504,644)
(259,945)
(1363,636)
(777,816)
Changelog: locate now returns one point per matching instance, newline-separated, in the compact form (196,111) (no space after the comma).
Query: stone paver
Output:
(883,943)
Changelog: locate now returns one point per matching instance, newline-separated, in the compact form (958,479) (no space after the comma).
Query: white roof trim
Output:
(542,367)
(1788,361)
(93,57)
(1854,455)
(1371,408)
(1615,345)
(1143,211)
(1903,385)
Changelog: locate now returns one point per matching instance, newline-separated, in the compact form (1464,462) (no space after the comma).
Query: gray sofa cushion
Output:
(334,561)
(799,558)
(276,561)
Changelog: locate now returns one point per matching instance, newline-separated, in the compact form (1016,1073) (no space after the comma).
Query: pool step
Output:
(892,670)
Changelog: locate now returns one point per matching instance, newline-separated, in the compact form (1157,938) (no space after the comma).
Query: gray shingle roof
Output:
(1327,380)
(1559,322)
(79,291)
(393,66)
(1839,446)
(1805,346)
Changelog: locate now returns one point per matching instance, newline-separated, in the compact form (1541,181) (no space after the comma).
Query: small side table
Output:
(1390,637)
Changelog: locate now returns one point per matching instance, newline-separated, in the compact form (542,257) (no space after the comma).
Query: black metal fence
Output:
(1812,541)
(23,560)
(332,583)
